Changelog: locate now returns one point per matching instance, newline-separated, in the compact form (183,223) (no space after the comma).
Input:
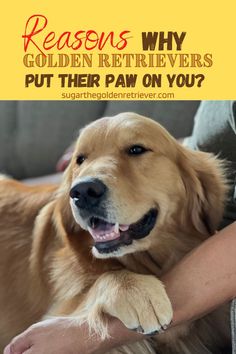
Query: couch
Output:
(34,134)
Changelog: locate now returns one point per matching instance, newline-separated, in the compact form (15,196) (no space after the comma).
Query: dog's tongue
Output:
(103,231)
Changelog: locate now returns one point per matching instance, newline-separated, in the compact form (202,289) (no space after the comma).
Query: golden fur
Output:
(49,267)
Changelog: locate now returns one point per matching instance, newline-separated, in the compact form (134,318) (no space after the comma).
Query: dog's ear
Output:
(205,184)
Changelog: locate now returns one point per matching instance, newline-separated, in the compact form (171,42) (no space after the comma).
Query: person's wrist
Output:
(118,335)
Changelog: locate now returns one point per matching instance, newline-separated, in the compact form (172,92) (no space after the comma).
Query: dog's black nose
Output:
(88,192)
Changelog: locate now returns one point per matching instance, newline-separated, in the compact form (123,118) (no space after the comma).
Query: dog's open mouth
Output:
(109,237)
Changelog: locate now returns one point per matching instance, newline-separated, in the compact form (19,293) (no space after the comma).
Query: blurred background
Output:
(35,134)
(36,137)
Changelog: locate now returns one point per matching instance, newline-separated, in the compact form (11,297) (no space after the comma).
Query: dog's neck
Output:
(168,249)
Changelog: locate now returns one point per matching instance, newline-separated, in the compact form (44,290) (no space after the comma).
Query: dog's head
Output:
(130,180)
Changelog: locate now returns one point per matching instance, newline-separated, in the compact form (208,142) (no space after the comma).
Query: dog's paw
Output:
(139,301)
(142,305)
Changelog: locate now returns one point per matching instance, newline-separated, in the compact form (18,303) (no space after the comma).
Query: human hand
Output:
(63,335)
(59,335)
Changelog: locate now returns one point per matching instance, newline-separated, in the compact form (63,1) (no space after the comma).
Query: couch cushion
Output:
(175,116)
(35,133)
(8,132)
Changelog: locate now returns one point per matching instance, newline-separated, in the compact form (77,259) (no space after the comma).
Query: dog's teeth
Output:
(93,223)
(116,227)
(124,227)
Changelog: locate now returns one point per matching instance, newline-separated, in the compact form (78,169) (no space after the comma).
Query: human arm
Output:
(205,278)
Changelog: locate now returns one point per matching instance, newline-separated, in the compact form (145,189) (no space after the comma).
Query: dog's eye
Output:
(80,159)
(136,150)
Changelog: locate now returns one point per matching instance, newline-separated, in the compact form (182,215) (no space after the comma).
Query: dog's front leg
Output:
(139,301)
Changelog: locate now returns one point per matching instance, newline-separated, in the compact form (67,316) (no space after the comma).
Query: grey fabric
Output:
(34,134)
(175,116)
(7,133)
(233,326)
(215,131)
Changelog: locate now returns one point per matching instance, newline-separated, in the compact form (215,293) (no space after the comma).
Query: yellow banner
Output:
(132,50)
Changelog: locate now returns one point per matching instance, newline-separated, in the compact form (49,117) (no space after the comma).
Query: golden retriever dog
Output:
(133,201)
